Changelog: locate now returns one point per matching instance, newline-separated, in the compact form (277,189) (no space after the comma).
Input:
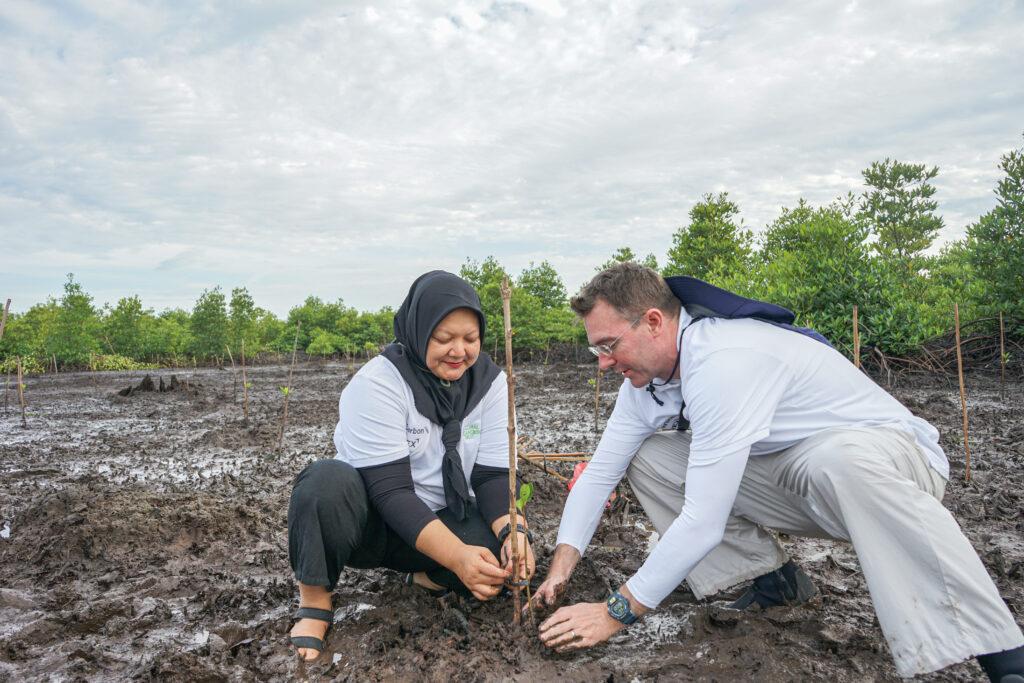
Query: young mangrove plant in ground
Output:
(287,390)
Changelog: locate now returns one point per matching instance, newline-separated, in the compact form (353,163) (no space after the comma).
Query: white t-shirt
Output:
(379,423)
(750,389)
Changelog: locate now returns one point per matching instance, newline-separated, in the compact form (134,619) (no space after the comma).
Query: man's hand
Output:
(527,564)
(479,571)
(554,585)
(578,626)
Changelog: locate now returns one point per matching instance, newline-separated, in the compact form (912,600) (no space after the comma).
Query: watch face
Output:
(616,606)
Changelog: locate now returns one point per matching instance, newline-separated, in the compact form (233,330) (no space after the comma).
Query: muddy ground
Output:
(143,537)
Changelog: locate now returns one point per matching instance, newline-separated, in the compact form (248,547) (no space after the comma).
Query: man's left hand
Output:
(578,626)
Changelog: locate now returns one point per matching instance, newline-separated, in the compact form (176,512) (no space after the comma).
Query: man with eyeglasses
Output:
(768,428)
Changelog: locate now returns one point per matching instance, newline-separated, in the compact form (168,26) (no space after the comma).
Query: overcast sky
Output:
(341,149)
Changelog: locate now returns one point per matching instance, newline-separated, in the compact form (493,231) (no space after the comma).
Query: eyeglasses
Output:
(609,348)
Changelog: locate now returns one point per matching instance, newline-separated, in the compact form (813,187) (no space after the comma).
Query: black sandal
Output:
(410,580)
(312,642)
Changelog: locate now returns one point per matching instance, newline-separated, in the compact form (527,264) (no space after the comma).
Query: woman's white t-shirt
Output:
(379,424)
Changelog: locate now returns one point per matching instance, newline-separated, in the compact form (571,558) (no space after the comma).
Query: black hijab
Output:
(433,296)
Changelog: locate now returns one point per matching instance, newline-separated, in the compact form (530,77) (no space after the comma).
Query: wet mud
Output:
(142,537)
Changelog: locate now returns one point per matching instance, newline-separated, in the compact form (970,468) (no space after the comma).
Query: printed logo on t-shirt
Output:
(471,431)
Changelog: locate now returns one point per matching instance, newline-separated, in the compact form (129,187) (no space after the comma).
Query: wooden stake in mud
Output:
(234,375)
(3,320)
(288,389)
(963,396)
(856,338)
(506,297)
(1003,359)
(597,398)
(21,395)
(7,375)
(245,390)
(55,364)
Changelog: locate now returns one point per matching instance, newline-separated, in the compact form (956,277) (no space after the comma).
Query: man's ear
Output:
(655,320)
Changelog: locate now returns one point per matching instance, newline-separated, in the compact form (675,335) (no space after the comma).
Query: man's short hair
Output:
(630,289)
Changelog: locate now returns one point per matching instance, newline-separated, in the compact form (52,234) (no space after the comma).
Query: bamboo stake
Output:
(856,338)
(288,389)
(234,375)
(245,390)
(597,399)
(506,297)
(963,396)
(21,395)
(554,474)
(7,375)
(3,320)
(1002,359)
(55,364)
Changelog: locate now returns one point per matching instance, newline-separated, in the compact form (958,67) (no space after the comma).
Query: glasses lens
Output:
(594,350)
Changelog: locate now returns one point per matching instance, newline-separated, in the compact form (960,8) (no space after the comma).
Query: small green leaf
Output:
(525,493)
(285,390)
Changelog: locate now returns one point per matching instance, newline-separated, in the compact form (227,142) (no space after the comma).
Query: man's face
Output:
(634,354)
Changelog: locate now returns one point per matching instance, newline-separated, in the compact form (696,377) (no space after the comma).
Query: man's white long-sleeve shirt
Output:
(750,389)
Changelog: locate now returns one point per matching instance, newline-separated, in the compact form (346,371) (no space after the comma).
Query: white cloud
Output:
(301,148)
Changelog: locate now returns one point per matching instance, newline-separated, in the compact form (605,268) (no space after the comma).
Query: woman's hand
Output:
(527,564)
(479,571)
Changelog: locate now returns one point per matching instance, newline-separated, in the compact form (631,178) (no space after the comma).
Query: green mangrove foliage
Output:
(874,249)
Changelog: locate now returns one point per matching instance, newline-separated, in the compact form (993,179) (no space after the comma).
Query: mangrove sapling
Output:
(287,391)
(1003,357)
(963,395)
(245,391)
(21,395)
(513,517)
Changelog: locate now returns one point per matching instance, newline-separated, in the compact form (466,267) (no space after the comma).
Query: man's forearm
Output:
(563,561)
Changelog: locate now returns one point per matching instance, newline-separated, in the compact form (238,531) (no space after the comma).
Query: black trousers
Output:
(332,525)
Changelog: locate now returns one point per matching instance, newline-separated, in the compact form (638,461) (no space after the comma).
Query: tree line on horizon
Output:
(868,249)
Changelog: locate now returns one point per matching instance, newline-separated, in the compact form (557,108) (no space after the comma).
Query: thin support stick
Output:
(597,399)
(7,388)
(288,389)
(245,390)
(55,364)
(21,394)
(856,338)
(963,395)
(234,375)
(1002,359)
(3,320)
(506,297)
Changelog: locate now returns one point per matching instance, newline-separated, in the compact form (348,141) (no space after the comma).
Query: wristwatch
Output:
(618,607)
(507,529)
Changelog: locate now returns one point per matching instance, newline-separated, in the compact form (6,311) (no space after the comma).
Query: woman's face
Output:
(454,344)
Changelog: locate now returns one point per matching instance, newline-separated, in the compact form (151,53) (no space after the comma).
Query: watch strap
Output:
(507,529)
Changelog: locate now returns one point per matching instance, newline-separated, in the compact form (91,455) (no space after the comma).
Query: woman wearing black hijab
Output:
(420,481)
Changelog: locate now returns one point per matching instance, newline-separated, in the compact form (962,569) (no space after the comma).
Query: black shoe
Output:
(787,585)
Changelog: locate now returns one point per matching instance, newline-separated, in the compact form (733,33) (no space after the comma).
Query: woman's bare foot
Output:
(320,598)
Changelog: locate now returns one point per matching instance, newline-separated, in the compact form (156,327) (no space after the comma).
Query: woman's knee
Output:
(328,478)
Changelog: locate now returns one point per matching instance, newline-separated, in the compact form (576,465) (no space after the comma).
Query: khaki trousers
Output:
(873,487)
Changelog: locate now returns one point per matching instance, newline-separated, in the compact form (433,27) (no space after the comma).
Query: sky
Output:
(341,149)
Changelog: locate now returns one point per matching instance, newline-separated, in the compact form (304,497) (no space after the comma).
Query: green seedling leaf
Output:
(285,390)
(525,493)
(591,381)
(248,385)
